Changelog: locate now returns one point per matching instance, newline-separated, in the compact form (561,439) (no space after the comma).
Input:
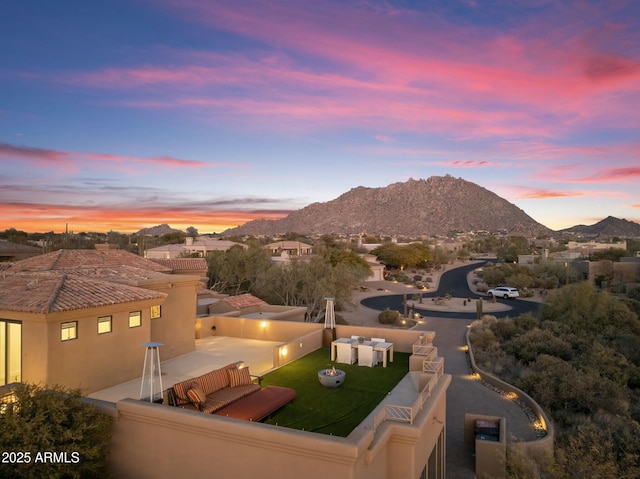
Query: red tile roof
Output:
(50,292)
(183,264)
(7,247)
(72,259)
(243,301)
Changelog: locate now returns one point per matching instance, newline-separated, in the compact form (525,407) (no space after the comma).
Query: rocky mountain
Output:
(607,228)
(158,230)
(436,205)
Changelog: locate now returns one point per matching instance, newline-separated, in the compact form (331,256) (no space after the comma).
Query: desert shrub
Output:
(419,285)
(388,316)
(526,293)
(527,347)
(417,277)
(633,291)
(482,287)
(505,329)
(57,420)
(340,320)
(526,322)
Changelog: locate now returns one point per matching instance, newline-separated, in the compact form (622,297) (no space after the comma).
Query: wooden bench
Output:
(259,405)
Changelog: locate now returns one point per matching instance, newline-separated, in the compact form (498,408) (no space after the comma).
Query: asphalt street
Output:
(453,282)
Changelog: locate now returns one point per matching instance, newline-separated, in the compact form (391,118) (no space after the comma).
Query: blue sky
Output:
(126,114)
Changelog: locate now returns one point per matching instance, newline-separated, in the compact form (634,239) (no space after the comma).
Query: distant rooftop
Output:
(74,259)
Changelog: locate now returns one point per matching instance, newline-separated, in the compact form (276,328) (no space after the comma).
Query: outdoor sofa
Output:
(230,391)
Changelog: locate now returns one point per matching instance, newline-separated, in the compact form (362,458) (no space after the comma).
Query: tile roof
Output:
(169,248)
(72,259)
(183,264)
(7,247)
(122,273)
(243,301)
(50,292)
(289,245)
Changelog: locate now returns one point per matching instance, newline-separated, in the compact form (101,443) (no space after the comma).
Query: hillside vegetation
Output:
(579,358)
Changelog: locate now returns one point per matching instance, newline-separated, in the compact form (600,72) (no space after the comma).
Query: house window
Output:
(10,352)
(156,311)
(135,319)
(104,324)
(69,331)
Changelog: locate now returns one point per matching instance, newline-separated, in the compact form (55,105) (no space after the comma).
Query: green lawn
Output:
(333,411)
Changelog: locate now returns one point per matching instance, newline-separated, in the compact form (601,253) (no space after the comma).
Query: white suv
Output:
(504,292)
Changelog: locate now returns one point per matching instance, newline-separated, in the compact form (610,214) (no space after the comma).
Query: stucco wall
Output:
(95,361)
(175,327)
(265,330)
(151,440)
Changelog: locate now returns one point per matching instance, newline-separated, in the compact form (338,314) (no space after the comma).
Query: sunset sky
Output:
(119,115)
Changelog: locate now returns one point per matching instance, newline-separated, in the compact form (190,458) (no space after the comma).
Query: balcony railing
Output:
(433,366)
(392,412)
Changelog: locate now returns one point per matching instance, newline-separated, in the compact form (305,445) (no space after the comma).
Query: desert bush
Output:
(388,316)
(54,419)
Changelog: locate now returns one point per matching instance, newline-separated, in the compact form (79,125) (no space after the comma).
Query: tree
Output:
(306,283)
(400,257)
(56,420)
(193,232)
(236,270)
(513,247)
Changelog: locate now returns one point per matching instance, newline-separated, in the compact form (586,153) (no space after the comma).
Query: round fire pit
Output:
(331,378)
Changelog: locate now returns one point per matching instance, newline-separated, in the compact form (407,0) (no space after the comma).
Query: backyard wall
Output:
(262,329)
(152,440)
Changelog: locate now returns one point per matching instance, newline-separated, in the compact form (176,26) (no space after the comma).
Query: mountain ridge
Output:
(436,205)
(609,226)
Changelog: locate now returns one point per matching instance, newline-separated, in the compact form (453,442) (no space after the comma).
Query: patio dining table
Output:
(385,348)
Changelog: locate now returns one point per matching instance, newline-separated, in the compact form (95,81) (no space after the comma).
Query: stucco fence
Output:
(542,446)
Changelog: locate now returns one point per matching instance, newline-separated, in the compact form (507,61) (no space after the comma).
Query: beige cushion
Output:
(239,377)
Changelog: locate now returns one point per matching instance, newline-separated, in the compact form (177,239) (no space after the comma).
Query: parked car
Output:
(504,292)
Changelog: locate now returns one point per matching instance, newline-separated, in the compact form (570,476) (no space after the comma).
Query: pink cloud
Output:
(537,193)
(69,160)
(40,156)
(158,160)
(608,175)
(543,79)
(383,138)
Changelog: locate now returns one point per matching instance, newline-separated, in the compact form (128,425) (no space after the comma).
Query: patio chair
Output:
(379,353)
(367,356)
(347,354)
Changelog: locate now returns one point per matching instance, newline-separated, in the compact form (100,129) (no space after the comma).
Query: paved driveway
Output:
(465,395)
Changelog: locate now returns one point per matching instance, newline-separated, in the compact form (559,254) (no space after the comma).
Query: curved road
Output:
(455,283)
(465,395)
